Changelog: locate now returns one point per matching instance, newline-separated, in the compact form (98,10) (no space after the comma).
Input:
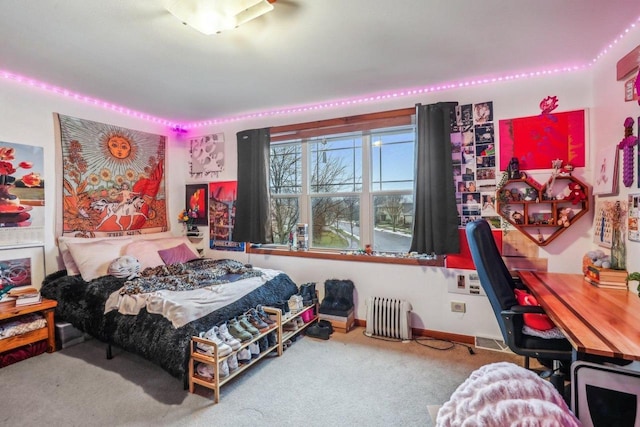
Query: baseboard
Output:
(464,339)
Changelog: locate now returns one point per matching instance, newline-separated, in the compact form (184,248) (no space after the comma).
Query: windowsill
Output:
(316,254)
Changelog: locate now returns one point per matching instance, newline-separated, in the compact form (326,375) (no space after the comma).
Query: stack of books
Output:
(606,277)
(26,296)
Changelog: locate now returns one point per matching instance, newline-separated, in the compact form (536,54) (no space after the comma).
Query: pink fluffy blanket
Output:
(504,394)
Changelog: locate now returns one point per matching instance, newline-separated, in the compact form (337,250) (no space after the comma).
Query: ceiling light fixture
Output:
(214,16)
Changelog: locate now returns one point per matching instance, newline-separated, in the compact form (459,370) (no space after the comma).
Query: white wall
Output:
(26,118)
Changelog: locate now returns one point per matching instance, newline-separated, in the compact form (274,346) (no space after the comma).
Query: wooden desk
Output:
(46,307)
(604,322)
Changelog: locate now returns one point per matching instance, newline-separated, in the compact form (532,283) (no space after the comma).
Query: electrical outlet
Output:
(458,307)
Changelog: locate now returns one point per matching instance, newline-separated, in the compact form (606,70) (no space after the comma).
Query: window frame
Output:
(366,126)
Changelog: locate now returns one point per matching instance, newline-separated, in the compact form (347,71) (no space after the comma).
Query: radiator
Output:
(387,317)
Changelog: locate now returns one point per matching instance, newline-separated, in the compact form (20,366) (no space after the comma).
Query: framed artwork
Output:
(22,190)
(111,179)
(222,213)
(602,229)
(207,155)
(633,219)
(22,266)
(606,176)
(197,199)
(538,140)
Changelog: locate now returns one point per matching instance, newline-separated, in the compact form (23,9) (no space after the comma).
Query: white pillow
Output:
(146,251)
(67,259)
(93,257)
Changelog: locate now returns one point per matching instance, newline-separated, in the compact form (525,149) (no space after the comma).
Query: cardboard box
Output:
(340,323)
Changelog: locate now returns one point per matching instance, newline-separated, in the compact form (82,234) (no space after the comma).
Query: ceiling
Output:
(138,55)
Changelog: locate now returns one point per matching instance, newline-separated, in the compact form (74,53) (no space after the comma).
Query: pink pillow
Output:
(180,253)
(537,321)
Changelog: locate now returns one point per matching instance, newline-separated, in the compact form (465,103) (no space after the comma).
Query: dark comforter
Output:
(149,335)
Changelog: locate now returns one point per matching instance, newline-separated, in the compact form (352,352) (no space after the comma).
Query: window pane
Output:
(284,216)
(393,223)
(392,155)
(335,222)
(285,175)
(336,164)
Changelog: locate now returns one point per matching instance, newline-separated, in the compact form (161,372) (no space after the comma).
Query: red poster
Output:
(463,259)
(222,212)
(538,140)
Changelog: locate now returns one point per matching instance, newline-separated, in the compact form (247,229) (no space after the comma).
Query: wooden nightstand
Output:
(47,308)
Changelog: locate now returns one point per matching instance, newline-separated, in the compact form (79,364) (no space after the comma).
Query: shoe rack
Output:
(282,337)
(287,319)
(216,382)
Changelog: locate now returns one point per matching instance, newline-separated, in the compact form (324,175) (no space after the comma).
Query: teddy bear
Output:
(564,215)
(576,193)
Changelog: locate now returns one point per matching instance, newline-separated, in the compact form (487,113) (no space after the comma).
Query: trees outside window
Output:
(353,189)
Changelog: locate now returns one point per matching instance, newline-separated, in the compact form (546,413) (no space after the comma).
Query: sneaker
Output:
(244,356)
(290,326)
(237,331)
(272,338)
(223,369)
(263,343)
(284,308)
(254,348)
(256,322)
(244,322)
(232,362)
(299,321)
(264,316)
(212,335)
(295,303)
(205,371)
(230,340)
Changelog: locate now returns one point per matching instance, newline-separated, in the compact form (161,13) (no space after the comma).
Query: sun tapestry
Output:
(112,179)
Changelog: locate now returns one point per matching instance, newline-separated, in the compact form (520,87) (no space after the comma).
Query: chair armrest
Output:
(520,309)
(518,284)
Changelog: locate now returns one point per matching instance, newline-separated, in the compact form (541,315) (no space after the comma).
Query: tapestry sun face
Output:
(112,180)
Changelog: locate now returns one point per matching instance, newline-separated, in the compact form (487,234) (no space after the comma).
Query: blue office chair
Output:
(499,285)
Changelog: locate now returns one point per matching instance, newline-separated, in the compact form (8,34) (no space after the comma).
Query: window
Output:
(352,188)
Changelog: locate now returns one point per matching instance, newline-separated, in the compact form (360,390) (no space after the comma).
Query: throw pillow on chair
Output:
(537,321)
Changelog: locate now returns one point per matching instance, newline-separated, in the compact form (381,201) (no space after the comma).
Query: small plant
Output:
(635,276)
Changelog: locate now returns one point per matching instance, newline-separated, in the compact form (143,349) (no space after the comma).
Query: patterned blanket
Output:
(188,276)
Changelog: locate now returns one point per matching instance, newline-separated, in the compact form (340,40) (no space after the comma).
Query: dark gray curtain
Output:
(435,220)
(253,213)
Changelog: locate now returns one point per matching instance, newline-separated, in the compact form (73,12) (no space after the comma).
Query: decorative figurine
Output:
(564,215)
(517,217)
(513,170)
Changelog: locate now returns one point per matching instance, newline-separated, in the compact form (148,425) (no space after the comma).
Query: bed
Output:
(94,301)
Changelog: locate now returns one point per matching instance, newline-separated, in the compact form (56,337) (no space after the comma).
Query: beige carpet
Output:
(349,380)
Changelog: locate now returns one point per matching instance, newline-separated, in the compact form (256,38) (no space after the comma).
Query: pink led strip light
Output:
(8,75)
(311,107)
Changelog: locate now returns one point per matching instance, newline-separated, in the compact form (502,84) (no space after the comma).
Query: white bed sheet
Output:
(182,307)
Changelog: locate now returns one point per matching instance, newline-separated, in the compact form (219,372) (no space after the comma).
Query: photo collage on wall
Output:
(473,150)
